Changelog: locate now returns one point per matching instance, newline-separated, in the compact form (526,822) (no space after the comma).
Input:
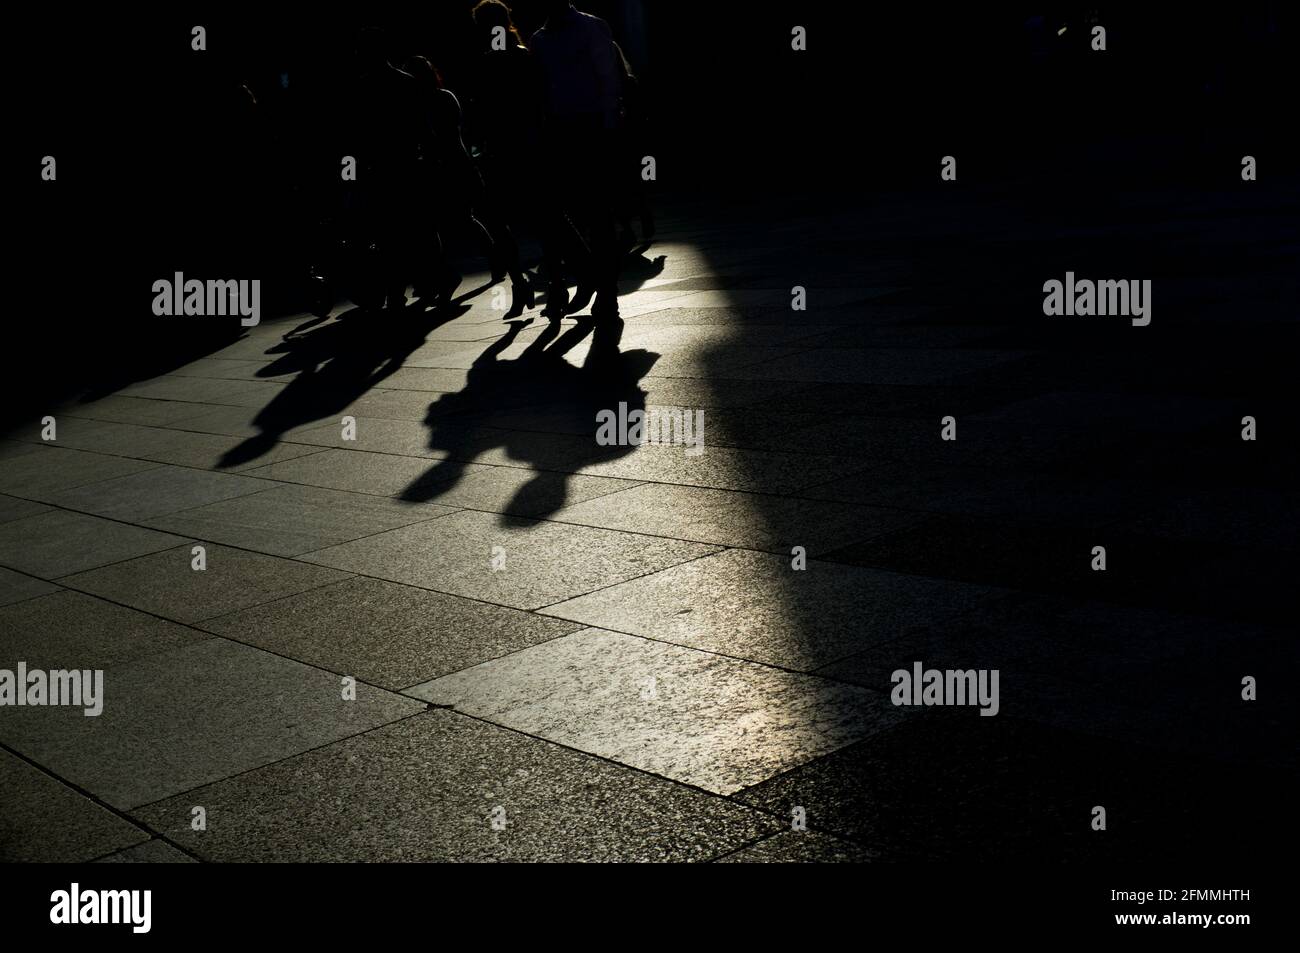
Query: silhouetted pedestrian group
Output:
(547,126)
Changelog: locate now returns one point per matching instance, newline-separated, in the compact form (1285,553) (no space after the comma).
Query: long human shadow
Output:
(336,363)
(636,269)
(607,379)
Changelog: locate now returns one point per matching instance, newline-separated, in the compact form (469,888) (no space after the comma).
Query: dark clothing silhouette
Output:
(383,136)
(581,78)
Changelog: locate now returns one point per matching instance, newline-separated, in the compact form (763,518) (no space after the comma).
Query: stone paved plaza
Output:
(571,650)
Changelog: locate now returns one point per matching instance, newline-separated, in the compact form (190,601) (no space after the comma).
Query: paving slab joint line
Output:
(162,463)
(609,760)
(730,798)
(238,774)
(204,539)
(815,673)
(754,843)
(208,635)
(117,812)
(541,610)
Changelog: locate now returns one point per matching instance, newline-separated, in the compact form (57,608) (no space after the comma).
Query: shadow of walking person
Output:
(574,395)
(638,268)
(336,364)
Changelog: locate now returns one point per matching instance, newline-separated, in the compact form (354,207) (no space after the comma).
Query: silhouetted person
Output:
(505,118)
(506,125)
(633,197)
(381,106)
(447,190)
(229,169)
(582,79)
